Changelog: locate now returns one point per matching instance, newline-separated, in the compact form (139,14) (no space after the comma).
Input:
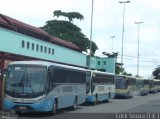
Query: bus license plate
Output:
(22,108)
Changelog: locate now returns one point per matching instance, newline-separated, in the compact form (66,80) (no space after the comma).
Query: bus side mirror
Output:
(48,89)
(3,73)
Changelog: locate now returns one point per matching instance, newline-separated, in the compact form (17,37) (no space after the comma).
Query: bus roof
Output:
(100,72)
(125,77)
(45,63)
(156,79)
(138,78)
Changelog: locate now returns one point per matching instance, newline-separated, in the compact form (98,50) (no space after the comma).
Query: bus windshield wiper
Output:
(20,84)
(29,83)
(119,80)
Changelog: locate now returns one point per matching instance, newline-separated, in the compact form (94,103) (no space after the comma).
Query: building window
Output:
(104,62)
(23,44)
(32,46)
(41,48)
(99,63)
(45,49)
(37,47)
(28,45)
(52,51)
(49,50)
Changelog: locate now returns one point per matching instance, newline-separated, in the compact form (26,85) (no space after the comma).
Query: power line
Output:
(141,57)
(144,59)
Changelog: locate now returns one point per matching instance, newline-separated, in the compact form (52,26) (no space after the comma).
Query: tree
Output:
(156,73)
(68,31)
(114,54)
(119,69)
(127,74)
(69,15)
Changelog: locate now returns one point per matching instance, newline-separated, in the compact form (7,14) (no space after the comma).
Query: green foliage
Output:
(69,15)
(69,31)
(114,54)
(119,69)
(156,73)
(138,76)
(127,74)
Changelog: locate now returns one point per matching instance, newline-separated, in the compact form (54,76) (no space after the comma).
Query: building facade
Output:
(105,64)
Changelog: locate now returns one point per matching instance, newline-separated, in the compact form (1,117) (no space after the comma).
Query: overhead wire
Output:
(144,59)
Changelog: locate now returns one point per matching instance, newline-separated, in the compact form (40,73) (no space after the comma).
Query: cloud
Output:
(107,21)
(34,12)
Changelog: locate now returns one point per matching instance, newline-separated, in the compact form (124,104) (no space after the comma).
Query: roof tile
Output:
(5,20)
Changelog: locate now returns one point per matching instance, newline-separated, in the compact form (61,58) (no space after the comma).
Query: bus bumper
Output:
(100,97)
(42,105)
(124,95)
(90,99)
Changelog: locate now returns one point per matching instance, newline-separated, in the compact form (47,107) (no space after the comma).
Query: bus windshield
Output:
(25,81)
(121,83)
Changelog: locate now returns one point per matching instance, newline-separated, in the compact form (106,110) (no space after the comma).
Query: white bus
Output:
(100,87)
(142,86)
(43,86)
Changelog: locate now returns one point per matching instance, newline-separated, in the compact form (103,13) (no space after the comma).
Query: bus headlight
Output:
(8,97)
(40,100)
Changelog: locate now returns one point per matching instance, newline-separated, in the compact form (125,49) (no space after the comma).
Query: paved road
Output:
(138,104)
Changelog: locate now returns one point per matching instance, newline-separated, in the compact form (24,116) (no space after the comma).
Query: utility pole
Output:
(138,23)
(124,2)
(90,52)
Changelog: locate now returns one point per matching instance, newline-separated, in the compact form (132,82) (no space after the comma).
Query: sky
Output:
(107,22)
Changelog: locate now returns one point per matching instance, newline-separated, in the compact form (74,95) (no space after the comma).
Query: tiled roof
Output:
(13,24)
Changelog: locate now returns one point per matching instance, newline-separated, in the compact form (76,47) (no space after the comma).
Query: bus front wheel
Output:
(96,100)
(127,95)
(74,107)
(54,109)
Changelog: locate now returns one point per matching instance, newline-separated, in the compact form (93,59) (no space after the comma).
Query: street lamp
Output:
(112,41)
(90,47)
(138,23)
(124,2)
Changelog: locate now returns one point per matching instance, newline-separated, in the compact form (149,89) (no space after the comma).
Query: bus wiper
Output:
(119,80)
(29,83)
(20,84)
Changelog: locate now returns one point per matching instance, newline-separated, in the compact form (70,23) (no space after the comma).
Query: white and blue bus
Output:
(39,86)
(100,87)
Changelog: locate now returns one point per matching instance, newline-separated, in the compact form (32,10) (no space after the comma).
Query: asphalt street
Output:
(116,109)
